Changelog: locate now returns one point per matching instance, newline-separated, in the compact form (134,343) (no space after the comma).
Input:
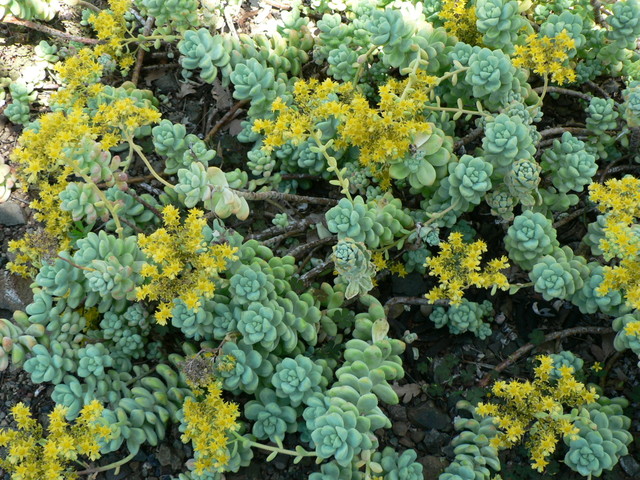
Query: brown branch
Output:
(468,138)
(140,57)
(300,249)
(141,200)
(286,197)
(597,15)
(50,31)
(515,356)
(224,120)
(564,91)
(550,132)
(573,215)
(276,230)
(308,277)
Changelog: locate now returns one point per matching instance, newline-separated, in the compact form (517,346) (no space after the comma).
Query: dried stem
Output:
(597,15)
(224,120)
(285,197)
(301,249)
(571,216)
(142,201)
(49,31)
(468,138)
(140,57)
(515,356)
(564,91)
(550,132)
(308,277)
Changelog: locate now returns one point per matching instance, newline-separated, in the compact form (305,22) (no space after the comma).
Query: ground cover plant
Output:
(246,298)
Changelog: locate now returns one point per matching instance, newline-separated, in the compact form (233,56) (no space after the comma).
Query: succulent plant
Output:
(49,364)
(559,275)
(624,23)
(273,416)
(602,439)
(248,366)
(499,21)
(352,219)
(531,237)
(469,179)
(506,140)
(353,263)
(296,379)
(570,164)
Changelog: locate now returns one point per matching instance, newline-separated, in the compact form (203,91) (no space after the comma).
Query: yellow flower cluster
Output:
(383,135)
(619,200)
(111,27)
(208,423)
(538,408)
(458,267)
(460,21)
(547,56)
(30,456)
(182,264)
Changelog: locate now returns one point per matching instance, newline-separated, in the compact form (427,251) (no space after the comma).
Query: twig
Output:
(281,6)
(550,132)
(286,197)
(142,201)
(597,88)
(161,66)
(622,168)
(308,277)
(610,167)
(276,230)
(140,57)
(300,249)
(133,226)
(50,31)
(299,176)
(468,138)
(573,215)
(224,120)
(565,91)
(597,15)
(515,356)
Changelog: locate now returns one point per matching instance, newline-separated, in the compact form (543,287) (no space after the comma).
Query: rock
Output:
(164,455)
(417,435)
(397,412)
(407,442)
(433,466)
(434,440)
(630,466)
(429,418)
(11,214)
(15,291)
(400,428)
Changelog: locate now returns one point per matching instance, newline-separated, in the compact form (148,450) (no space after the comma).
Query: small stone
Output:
(407,442)
(428,417)
(433,466)
(11,214)
(630,466)
(434,440)
(15,291)
(397,412)
(417,435)
(400,428)
(164,455)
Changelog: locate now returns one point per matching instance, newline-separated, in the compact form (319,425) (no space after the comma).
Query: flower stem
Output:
(116,465)
(141,154)
(269,448)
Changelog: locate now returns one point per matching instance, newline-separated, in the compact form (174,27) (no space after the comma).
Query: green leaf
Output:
(379,330)
(271,456)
